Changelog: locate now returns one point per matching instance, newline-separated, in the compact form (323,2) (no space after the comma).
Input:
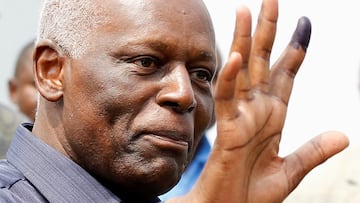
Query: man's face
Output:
(137,103)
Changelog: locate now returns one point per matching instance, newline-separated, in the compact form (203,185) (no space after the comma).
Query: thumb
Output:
(312,154)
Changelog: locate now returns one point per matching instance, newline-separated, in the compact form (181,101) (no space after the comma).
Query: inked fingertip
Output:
(301,36)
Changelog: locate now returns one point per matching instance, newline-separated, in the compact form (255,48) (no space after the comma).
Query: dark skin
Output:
(140,102)
(132,109)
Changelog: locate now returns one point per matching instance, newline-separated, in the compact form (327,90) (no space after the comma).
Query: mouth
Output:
(167,139)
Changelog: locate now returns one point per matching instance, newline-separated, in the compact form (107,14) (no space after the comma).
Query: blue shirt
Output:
(35,172)
(192,173)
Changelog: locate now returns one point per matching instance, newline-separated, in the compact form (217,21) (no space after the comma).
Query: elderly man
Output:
(126,96)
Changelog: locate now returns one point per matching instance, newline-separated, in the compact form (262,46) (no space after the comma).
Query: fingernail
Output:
(301,36)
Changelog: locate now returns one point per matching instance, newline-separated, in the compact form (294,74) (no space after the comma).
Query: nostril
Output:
(178,108)
(171,104)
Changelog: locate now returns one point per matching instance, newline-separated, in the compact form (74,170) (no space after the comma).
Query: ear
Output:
(13,88)
(48,70)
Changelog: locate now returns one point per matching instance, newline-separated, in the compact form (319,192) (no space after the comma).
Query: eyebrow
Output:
(207,55)
(198,53)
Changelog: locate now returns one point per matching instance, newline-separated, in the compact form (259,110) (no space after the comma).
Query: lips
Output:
(167,139)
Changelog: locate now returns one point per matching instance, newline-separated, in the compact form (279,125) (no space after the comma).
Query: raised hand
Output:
(250,103)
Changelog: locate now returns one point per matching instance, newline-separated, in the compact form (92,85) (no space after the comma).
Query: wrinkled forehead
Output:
(159,8)
(180,19)
(180,13)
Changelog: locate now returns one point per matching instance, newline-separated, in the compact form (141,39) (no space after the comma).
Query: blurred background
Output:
(326,92)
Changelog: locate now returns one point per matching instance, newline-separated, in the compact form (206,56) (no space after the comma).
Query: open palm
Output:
(251,101)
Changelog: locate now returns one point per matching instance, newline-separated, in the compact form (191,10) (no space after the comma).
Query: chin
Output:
(145,187)
(165,176)
(146,180)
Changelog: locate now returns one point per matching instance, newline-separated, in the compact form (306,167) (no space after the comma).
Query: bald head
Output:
(24,59)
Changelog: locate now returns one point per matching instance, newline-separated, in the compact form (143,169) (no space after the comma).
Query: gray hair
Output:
(69,23)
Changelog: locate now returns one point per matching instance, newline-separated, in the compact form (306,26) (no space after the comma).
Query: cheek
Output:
(99,112)
(92,123)
(103,123)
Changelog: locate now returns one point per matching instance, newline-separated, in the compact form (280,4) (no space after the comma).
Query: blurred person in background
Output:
(9,121)
(22,89)
(23,94)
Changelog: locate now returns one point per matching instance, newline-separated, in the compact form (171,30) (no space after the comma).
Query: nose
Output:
(177,91)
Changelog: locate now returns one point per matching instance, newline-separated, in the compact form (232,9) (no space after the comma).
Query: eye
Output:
(202,75)
(146,62)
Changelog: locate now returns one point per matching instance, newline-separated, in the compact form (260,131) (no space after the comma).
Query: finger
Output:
(262,44)
(243,84)
(242,44)
(242,34)
(226,85)
(284,70)
(312,154)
